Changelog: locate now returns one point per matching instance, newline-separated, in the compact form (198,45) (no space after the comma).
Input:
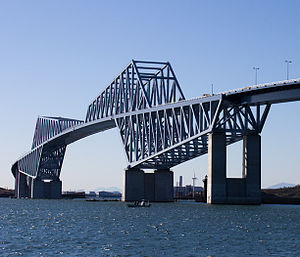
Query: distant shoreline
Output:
(286,195)
(7,192)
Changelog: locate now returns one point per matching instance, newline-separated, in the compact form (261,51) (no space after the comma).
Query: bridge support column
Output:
(22,188)
(55,189)
(17,181)
(149,186)
(37,189)
(46,190)
(163,185)
(133,185)
(216,181)
(155,187)
(252,167)
(245,190)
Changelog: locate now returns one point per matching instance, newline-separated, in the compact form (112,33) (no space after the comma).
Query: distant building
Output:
(110,194)
(91,194)
(187,191)
(73,194)
(180,181)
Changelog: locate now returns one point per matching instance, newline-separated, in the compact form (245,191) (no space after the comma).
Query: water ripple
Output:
(79,228)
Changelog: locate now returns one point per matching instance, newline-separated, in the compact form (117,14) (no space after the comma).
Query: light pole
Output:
(287,68)
(256,69)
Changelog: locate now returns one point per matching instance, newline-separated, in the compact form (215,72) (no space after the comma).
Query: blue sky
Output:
(56,56)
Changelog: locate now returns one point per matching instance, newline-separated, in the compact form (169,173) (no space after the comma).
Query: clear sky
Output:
(57,56)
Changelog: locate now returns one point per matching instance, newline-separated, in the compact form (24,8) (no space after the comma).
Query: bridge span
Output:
(160,129)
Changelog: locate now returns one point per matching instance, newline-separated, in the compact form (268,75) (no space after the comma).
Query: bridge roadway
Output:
(162,135)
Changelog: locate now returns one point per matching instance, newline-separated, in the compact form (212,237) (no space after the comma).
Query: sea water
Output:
(79,228)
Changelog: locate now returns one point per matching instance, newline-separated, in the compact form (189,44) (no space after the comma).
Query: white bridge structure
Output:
(160,129)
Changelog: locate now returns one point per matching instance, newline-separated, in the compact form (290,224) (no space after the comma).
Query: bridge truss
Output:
(159,128)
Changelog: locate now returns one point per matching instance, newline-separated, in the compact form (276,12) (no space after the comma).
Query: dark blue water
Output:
(79,228)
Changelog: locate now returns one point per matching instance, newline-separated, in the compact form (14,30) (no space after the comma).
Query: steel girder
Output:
(169,135)
(238,120)
(46,162)
(139,86)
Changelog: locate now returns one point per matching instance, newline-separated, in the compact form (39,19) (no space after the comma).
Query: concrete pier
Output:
(216,181)
(149,187)
(133,185)
(26,186)
(252,167)
(223,190)
(46,190)
(163,185)
(55,189)
(37,189)
(155,187)
(17,181)
(22,188)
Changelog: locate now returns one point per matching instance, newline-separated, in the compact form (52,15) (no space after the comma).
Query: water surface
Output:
(80,228)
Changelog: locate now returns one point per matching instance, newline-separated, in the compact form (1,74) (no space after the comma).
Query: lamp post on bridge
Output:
(287,68)
(256,69)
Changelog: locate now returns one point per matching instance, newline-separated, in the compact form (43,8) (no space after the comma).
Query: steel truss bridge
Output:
(158,126)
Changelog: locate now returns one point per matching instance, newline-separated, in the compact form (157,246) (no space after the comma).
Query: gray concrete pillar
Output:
(216,181)
(236,191)
(46,190)
(149,186)
(17,181)
(155,187)
(28,183)
(163,185)
(37,189)
(55,189)
(133,185)
(21,186)
(252,167)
